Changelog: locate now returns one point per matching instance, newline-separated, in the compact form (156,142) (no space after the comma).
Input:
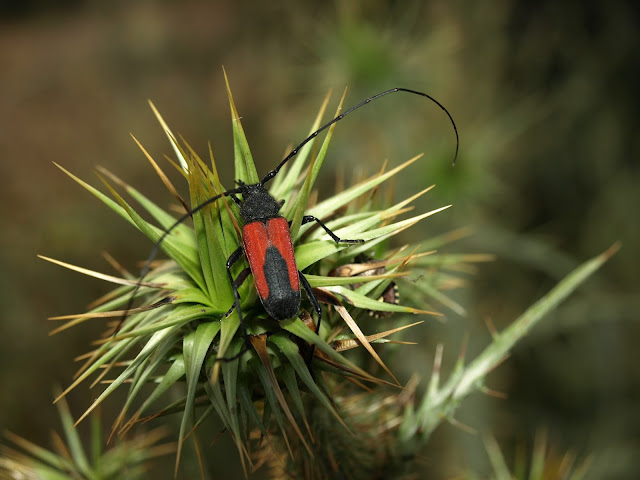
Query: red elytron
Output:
(269,251)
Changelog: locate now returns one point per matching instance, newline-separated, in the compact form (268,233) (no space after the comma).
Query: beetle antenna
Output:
(269,176)
(295,151)
(156,249)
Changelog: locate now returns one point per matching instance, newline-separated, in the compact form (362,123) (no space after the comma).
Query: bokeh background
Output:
(545,95)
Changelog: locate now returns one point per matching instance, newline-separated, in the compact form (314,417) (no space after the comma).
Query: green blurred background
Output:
(545,96)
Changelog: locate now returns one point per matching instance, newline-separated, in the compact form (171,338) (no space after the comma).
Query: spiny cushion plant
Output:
(178,331)
(178,335)
(129,458)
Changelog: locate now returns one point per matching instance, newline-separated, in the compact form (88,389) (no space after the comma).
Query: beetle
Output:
(266,239)
(268,247)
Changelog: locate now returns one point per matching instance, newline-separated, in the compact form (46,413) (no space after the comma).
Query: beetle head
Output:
(257,203)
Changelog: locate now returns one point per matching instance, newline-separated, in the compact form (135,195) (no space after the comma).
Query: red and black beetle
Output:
(267,244)
(266,239)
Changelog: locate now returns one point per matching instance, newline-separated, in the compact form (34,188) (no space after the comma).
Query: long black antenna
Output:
(294,152)
(156,249)
(269,176)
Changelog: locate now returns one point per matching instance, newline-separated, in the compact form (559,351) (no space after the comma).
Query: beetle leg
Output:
(311,218)
(235,199)
(237,283)
(316,307)
(233,258)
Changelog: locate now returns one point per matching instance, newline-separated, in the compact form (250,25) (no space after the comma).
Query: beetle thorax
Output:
(257,204)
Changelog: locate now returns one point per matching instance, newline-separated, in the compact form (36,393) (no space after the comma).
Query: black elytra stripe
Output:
(283,301)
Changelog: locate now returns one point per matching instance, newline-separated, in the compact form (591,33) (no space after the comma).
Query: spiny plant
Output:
(279,407)
(545,464)
(182,327)
(129,458)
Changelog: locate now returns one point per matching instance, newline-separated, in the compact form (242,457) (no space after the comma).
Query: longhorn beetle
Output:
(266,239)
